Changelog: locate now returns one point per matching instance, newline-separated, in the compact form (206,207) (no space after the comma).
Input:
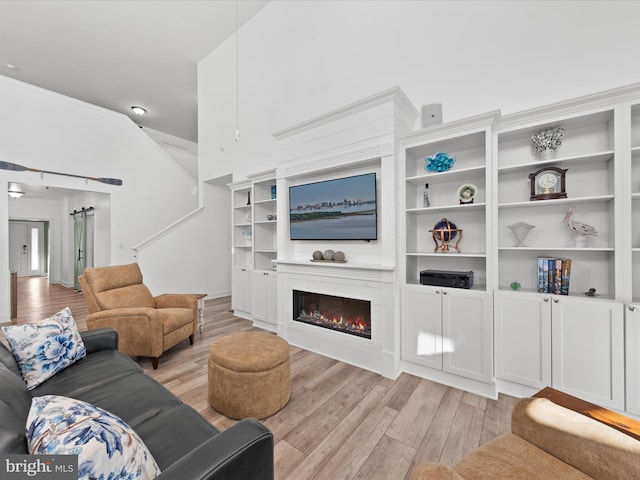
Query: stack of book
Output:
(554,275)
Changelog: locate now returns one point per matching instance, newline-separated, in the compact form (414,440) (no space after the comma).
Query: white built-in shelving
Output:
(635,199)
(435,318)
(490,338)
(469,142)
(254,230)
(264,283)
(546,339)
(242,224)
(264,221)
(587,152)
(242,247)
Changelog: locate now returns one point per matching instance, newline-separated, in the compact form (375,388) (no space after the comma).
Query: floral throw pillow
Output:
(43,349)
(106,446)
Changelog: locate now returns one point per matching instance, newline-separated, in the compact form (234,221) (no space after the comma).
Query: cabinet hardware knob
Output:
(556,300)
(444,292)
(546,299)
(632,308)
(437,291)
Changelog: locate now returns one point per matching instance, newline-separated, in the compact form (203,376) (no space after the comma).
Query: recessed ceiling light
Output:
(11,66)
(15,191)
(139,110)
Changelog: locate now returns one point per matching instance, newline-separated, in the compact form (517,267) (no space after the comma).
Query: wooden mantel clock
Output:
(548,183)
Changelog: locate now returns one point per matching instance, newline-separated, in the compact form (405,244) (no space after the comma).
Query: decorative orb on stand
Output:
(443,233)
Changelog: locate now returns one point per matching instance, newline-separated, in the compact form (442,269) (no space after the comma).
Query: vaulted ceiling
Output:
(116,54)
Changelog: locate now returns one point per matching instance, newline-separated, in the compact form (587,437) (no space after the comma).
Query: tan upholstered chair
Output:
(147,326)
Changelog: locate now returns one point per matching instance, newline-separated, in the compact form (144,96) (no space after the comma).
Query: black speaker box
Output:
(447,278)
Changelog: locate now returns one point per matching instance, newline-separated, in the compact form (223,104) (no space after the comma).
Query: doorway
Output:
(28,255)
(83,238)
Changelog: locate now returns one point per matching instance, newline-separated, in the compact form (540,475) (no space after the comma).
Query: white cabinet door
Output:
(265,297)
(523,338)
(448,329)
(260,295)
(422,325)
(632,321)
(588,350)
(241,289)
(467,334)
(272,306)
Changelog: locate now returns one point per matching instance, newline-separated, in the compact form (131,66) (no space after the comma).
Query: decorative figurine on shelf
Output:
(521,230)
(426,201)
(591,292)
(249,197)
(328,256)
(582,230)
(443,233)
(440,162)
(515,285)
(547,141)
(466,193)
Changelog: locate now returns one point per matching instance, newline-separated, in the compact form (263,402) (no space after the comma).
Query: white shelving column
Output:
(575,343)
(264,283)
(447,333)
(242,251)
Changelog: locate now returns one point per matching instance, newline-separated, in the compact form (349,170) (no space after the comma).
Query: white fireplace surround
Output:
(351,282)
(356,139)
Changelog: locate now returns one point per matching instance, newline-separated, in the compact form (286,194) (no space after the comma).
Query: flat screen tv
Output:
(338,209)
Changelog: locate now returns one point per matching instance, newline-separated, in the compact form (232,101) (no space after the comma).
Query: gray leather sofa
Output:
(184,445)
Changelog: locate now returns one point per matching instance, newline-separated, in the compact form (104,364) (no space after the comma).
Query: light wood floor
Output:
(342,422)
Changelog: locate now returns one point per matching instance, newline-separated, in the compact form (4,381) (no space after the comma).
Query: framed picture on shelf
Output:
(467,193)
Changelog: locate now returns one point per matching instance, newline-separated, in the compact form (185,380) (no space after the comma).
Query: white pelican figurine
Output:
(582,230)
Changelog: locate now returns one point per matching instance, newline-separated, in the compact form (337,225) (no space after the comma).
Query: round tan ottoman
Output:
(249,375)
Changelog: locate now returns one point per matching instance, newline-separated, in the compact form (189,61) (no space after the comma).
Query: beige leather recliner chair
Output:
(147,326)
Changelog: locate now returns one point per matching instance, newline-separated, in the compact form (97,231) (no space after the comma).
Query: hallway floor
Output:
(37,299)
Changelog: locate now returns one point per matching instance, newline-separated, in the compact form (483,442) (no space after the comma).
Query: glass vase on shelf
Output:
(426,202)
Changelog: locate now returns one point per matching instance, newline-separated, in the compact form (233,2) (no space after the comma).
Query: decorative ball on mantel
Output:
(338,256)
(317,255)
(328,255)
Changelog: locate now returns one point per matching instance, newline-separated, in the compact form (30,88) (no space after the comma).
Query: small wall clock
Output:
(548,183)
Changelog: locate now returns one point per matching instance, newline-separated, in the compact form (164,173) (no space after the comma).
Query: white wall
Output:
(302,59)
(200,250)
(44,130)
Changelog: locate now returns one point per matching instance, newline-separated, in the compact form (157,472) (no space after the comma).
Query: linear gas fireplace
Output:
(348,315)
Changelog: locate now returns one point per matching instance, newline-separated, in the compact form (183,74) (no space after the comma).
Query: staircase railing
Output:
(145,243)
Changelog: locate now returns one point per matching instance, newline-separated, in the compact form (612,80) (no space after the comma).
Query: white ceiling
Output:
(118,53)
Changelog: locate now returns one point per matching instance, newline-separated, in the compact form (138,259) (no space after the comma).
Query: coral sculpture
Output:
(549,139)
(440,162)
